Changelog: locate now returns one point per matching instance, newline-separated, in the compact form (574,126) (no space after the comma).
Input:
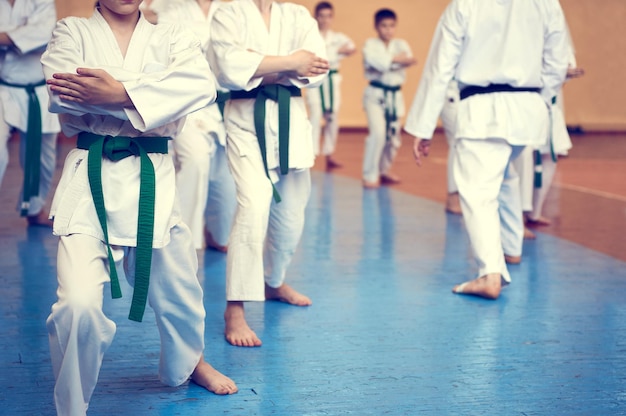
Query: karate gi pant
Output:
(490,200)
(448,120)
(194,150)
(525,167)
(548,168)
(265,234)
(48,164)
(379,152)
(330,121)
(80,333)
(222,201)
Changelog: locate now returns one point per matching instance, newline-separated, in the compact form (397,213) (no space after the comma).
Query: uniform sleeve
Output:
(233,63)
(556,53)
(346,41)
(309,39)
(64,55)
(376,56)
(441,63)
(37,30)
(161,95)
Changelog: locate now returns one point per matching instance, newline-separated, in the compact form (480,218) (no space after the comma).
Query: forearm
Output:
(275,65)
(5,40)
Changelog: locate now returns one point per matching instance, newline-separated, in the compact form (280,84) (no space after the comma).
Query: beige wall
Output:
(597,101)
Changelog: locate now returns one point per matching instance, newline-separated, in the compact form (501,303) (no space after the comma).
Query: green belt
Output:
(391,114)
(538,178)
(116,149)
(221,99)
(331,89)
(32,162)
(282,95)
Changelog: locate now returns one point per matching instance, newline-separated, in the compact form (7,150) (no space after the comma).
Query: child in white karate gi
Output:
(324,102)
(25,29)
(504,90)
(385,59)
(205,186)
(264,52)
(124,86)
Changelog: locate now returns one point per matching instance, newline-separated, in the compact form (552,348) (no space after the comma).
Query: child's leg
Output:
(193,153)
(331,131)
(222,202)
(48,165)
(390,151)
(79,332)
(540,194)
(284,232)
(510,209)
(479,172)
(524,165)
(5,135)
(244,262)
(375,141)
(175,295)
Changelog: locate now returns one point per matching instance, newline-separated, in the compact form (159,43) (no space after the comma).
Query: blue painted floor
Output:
(385,335)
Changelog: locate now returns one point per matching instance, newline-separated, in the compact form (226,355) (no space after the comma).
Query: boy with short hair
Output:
(324,102)
(385,59)
(124,86)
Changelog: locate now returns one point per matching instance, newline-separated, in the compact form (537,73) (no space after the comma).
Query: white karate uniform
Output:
(448,120)
(334,42)
(202,176)
(377,60)
(240,40)
(29,24)
(471,45)
(166,76)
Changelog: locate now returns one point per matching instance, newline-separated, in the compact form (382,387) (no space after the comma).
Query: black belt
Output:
(221,99)
(491,88)
(282,95)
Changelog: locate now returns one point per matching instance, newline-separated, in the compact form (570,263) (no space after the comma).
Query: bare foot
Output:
(529,235)
(211,244)
(39,220)
(453,204)
(287,294)
(237,331)
(389,179)
(371,185)
(541,221)
(487,286)
(208,377)
(512,259)
(332,163)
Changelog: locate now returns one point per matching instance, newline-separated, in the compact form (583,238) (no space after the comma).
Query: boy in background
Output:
(385,59)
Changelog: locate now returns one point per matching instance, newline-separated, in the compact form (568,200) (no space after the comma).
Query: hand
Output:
(346,50)
(575,72)
(421,149)
(307,64)
(404,59)
(89,86)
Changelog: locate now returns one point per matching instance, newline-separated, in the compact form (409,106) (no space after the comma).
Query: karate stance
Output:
(115,205)
(507,73)
(385,59)
(205,186)
(323,103)
(25,30)
(264,52)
